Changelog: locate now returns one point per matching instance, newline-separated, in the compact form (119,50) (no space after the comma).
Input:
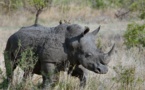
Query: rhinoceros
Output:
(57,48)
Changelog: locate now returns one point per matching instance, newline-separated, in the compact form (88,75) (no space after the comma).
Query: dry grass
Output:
(49,16)
(111,31)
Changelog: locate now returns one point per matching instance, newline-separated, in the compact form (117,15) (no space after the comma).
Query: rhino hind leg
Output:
(78,72)
(9,64)
(48,71)
(37,68)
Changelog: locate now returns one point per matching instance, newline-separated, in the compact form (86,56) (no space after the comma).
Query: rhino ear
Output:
(96,31)
(87,29)
(85,32)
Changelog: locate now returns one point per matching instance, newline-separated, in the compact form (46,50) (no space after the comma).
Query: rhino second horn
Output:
(106,61)
(96,31)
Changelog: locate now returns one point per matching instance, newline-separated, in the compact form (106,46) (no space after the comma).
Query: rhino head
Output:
(83,49)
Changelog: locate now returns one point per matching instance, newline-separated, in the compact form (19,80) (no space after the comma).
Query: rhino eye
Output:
(88,55)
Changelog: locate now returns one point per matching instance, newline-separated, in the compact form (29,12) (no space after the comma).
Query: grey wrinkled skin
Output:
(57,48)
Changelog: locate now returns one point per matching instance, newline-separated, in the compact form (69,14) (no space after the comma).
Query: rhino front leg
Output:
(82,80)
(48,70)
(79,72)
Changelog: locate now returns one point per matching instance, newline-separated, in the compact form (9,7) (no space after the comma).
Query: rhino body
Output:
(57,48)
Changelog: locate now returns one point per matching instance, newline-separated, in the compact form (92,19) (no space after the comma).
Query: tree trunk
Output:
(37,16)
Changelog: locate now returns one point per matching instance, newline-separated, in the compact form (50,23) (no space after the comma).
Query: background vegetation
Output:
(122,22)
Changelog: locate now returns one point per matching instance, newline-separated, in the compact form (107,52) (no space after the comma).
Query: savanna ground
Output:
(127,66)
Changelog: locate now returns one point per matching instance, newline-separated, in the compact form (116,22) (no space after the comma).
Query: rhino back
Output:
(30,36)
(54,49)
(46,42)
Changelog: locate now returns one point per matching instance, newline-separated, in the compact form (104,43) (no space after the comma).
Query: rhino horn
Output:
(106,61)
(96,31)
(110,52)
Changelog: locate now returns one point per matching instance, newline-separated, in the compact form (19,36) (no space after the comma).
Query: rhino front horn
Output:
(106,60)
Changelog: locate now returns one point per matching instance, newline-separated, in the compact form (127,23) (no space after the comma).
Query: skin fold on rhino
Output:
(57,48)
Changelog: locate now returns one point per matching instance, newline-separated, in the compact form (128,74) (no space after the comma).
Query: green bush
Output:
(26,63)
(138,6)
(125,76)
(15,4)
(134,35)
(28,60)
(98,4)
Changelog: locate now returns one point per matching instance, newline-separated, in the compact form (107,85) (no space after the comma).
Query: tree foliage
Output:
(39,6)
(139,6)
(135,35)
(34,6)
